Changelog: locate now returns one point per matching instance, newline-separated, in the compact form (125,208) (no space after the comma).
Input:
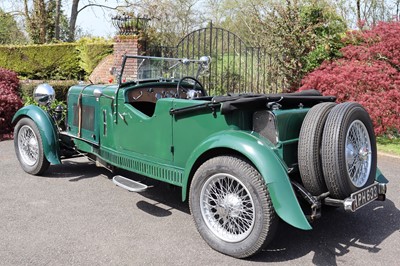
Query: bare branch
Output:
(104,6)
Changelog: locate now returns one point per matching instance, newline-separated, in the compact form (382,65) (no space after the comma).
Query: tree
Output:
(57,20)
(300,33)
(364,14)
(36,20)
(170,20)
(75,10)
(9,30)
(44,20)
(368,73)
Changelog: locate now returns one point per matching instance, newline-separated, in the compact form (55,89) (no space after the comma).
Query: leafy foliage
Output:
(10,101)
(9,31)
(368,73)
(301,33)
(64,61)
(50,108)
(92,51)
(60,87)
(56,61)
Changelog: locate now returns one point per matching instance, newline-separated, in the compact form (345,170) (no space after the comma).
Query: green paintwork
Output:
(259,152)
(46,128)
(379,177)
(169,147)
(145,127)
(90,112)
(166,147)
(289,124)
(142,134)
(192,129)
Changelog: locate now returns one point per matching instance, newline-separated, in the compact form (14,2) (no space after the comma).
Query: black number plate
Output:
(365,195)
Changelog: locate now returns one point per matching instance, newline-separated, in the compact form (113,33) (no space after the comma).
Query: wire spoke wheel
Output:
(358,153)
(231,206)
(227,207)
(348,150)
(28,145)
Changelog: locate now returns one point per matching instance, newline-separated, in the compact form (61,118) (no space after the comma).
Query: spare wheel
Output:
(348,150)
(309,156)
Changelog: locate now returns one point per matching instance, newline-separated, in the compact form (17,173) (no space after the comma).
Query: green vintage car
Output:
(243,161)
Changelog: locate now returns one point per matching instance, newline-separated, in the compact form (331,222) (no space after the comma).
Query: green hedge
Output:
(92,51)
(60,88)
(55,61)
(66,61)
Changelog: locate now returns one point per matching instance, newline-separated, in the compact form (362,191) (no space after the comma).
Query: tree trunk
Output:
(358,7)
(72,21)
(40,10)
(57,20)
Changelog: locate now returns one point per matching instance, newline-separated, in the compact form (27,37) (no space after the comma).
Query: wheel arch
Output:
(259,153)
(47,130)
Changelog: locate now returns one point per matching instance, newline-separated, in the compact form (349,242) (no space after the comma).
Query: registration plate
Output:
(365,195)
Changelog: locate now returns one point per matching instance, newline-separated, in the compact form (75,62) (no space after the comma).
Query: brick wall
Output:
(122,45)
(101,73)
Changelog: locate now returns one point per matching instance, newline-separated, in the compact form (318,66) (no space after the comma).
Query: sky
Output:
(93,20)
(96,21)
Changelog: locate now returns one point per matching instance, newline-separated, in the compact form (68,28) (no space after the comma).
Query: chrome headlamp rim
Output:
(44,94)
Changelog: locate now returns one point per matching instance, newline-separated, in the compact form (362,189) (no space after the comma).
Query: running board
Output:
(129,184)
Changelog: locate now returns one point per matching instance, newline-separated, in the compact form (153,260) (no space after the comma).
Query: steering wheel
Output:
(179,86)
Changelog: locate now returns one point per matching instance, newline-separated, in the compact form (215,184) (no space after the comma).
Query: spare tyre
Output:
(309,155)
(348,150)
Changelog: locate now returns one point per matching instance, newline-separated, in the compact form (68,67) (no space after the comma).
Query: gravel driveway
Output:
(76,215)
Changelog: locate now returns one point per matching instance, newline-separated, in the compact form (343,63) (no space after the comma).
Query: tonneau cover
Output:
(305,98)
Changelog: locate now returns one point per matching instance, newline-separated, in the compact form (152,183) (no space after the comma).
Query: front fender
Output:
(46,128)
(258,151)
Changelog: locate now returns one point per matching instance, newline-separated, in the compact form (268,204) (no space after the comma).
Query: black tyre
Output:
(309,155)
(231,206)
(348,150)
(29,147)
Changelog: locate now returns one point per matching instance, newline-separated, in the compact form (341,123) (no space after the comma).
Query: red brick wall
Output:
(122,45)
(101,73)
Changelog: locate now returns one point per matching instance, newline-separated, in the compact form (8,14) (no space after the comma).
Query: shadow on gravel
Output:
(158,192)
(76,170)
(79,168)
(153,209)
(334,234)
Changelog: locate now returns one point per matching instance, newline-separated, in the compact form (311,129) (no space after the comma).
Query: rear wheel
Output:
(29,147)
(231,206)
(309,156)
(348,150)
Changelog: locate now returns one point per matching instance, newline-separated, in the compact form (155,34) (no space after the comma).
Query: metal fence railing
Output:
(235,67)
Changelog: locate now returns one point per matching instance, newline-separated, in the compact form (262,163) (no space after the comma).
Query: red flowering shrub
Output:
(368,73)
(10,101)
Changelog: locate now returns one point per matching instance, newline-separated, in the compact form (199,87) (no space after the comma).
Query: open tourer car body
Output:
(241,160)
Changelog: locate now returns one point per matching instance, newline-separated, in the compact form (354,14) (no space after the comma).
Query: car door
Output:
(147,136)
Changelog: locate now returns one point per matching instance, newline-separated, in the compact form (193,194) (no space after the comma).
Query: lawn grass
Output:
(387,145)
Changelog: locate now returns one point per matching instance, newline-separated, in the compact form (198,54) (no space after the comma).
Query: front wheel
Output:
(29,147)
(231,206)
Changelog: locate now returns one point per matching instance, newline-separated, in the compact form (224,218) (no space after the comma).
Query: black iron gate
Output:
(235,67)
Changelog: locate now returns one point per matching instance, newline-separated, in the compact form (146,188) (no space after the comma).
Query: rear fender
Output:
(259,152)
(379,177)
(47,130)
